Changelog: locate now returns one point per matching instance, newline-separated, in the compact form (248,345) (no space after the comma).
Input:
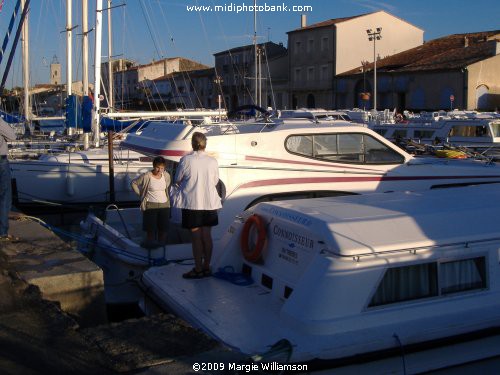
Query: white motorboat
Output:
(476,133)
(266,162)
(342,277)
(76,178)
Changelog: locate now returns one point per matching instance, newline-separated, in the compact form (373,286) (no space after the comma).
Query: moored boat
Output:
(343,277)
(261,162)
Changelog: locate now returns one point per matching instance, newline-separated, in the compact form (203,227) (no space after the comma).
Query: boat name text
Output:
(290,216)
(295,238)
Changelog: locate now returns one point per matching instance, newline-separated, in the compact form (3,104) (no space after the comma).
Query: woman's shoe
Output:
(193,274)
(207,272)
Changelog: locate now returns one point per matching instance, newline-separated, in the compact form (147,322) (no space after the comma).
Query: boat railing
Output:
(115,207)
(411,250)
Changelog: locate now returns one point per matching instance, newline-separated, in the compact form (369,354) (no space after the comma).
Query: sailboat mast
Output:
(85,48)
(255,50)
(110,63)
(69,48)
(97,71)
(25,58)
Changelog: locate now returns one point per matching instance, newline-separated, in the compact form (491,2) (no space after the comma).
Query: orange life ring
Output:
(253,254)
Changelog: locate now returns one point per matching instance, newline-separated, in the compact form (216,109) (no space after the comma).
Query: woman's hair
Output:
(159,160)
(198,141)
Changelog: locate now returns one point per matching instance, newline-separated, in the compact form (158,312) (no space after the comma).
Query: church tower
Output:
(55,72)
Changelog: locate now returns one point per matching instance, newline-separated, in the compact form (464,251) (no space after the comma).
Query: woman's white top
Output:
(197,175)
(156,190)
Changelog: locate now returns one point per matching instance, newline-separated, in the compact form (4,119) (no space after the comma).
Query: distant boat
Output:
(76,179)
(474,132)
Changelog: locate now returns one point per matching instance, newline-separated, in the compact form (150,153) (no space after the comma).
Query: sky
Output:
(146,30)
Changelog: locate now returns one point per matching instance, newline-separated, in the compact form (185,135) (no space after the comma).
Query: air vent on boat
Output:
(288,291)
(267,281)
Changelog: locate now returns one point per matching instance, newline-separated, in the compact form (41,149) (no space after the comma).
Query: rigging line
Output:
(166,23)
(155,30)
(183,73)
(270,80)
(172,79)
(177,51)
(149,28)
(247,88)
(211,49)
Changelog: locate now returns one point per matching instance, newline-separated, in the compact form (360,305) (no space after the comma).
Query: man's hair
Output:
(198,141)
(159,160)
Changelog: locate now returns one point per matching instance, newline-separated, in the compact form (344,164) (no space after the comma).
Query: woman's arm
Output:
(137,183)
(6,131)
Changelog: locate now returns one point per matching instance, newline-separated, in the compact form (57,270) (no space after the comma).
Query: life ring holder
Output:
(253,254)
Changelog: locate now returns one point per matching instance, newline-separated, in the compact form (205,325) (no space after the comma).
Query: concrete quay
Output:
(53,317)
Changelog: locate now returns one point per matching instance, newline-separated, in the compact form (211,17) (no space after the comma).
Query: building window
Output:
(297,74)
(310,74)
(298,46)
(323,75)
(310,45)
(324,44)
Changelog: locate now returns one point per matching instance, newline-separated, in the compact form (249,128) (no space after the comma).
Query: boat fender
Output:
(253,254)
(70,184)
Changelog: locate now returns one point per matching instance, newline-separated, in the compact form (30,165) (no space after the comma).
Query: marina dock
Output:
(53,316)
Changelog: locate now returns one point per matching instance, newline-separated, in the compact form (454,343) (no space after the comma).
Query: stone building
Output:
(132,83)
(321,51)
(236,71)
(187,89)
(462,67)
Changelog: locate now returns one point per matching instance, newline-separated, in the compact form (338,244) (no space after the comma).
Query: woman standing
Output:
(197,177)
(152,187)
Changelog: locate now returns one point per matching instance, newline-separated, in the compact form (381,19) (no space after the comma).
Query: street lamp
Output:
(374,35)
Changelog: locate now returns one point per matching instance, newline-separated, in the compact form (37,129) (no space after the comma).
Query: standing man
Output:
(6,134)
(197,176)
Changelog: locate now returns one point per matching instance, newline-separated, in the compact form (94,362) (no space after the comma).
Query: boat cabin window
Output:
(400,133)
(297,195)
(468,131)
(462,275)
(430,280)
(423,134)
(344,147)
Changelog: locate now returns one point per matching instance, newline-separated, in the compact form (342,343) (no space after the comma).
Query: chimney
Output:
(303,20)
(466,41)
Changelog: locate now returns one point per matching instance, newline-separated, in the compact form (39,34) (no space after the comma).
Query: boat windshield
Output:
(495,128)
(473,130)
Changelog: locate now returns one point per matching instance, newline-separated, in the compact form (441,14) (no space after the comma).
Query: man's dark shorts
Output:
(156,217)
(199,218)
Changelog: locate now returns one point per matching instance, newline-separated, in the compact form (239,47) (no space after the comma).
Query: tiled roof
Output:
(191,73)
(329,22)
(250,47)
(450,52)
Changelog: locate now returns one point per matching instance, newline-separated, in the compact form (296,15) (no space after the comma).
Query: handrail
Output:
(412,250)
(121,218)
